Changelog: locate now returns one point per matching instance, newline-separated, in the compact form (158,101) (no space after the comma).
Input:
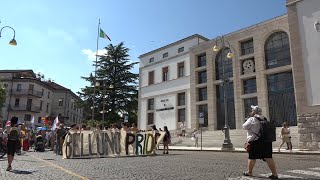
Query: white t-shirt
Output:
(253,126)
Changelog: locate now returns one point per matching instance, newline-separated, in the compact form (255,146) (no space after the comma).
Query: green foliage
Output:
(118,89)
(92,123)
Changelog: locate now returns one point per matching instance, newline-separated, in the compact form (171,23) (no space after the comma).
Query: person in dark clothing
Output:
(166,140)
(59,136)
(13,140)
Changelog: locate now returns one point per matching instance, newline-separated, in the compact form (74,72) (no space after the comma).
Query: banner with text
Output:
(86,144)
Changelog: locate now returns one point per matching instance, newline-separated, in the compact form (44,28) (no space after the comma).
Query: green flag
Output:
(104,35)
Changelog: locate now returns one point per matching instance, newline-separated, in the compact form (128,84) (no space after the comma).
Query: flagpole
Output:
(95,74)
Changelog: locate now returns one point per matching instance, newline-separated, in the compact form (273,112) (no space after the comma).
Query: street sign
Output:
(201,122)
(126,118)
(201,118)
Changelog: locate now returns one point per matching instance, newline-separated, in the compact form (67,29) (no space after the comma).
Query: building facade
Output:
(29,96)
(164,87)
(274,64)
(260,73)
(65,104)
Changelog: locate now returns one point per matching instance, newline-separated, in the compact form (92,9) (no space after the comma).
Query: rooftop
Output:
(29,74)
(174,43)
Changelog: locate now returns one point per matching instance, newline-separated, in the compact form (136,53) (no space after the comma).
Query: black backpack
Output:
(267,131)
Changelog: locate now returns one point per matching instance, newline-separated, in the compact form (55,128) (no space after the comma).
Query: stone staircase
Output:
(237,136)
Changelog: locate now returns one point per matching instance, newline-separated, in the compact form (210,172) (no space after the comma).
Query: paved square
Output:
(176,165)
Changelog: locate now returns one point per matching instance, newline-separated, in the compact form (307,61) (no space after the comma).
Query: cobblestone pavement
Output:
(176,165)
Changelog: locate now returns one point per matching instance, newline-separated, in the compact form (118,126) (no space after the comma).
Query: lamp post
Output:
(13,41)
(227,145)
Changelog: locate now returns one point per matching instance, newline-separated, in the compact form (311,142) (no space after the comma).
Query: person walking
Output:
(195,137)
(183,129)
(59,134)
(285,136)
(258,148)
(13,141)
(166,140)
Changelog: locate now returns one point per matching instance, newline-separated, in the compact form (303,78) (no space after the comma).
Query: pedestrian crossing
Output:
(310,174)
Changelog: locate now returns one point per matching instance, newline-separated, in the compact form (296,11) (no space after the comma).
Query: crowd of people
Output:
(53,139)
(17,137)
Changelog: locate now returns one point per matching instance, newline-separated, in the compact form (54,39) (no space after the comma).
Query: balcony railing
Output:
(27,92)
(35,109)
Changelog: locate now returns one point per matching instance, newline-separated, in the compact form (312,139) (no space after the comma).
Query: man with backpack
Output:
(13,140)
(260,134)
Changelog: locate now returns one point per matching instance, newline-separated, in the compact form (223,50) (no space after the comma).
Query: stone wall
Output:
(309,131)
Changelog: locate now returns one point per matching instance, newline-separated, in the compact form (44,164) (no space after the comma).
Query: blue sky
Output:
(58,38)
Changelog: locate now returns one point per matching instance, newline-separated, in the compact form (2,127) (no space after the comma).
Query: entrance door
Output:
(282,106)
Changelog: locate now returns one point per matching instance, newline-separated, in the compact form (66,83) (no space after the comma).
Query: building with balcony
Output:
(28,96)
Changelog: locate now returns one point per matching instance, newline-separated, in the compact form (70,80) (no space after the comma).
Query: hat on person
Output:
(8,123)
(256,109)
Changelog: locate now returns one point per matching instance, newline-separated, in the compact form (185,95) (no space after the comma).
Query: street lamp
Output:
(13,41)
(227,145)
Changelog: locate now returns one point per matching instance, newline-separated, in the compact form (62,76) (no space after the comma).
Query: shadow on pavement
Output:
(169,154)
(49,159)
(21,172)
(25,160)
(282,178)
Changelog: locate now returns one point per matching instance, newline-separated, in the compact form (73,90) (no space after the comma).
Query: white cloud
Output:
(61,34)
(92,54)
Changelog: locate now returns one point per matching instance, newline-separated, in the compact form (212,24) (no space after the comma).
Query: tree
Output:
(117,86)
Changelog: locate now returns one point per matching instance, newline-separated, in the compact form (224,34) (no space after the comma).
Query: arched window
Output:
(277,50)
(220,59)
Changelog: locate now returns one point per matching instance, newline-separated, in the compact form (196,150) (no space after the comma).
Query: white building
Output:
(164,87)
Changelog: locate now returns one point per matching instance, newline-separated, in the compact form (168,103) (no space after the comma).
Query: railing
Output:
(27,92)
(35,109)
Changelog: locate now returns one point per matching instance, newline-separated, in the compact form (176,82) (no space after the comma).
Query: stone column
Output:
(262,88)
(212,123)
(236,66)
(193,95)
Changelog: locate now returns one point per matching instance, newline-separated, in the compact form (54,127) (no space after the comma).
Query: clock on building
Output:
(248,66)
